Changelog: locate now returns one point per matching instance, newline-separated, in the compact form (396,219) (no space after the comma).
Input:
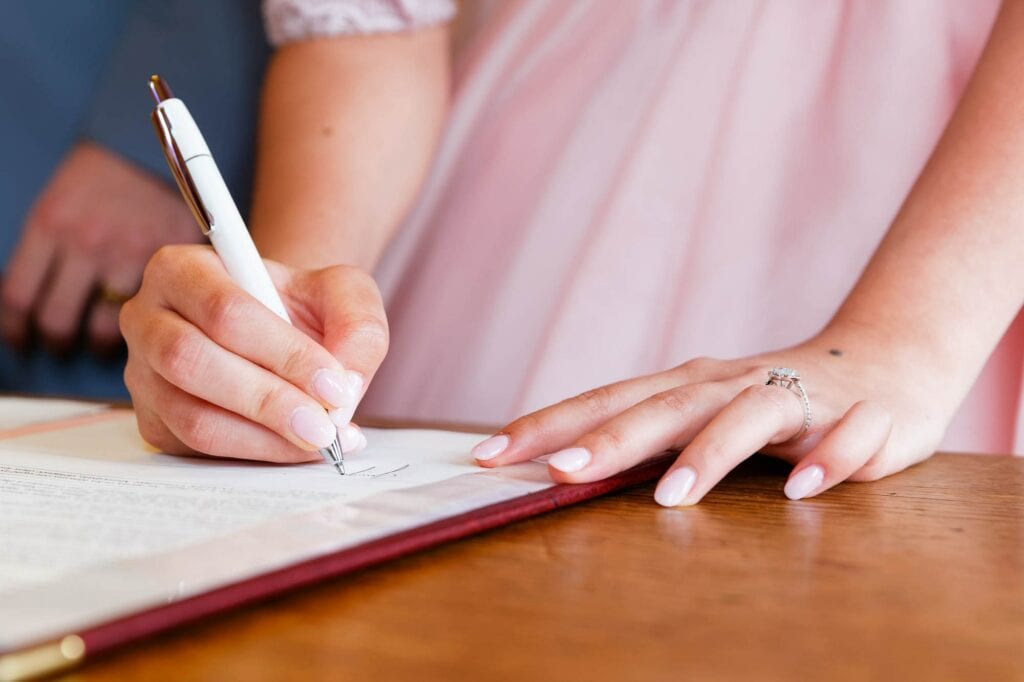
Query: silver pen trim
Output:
(334,456)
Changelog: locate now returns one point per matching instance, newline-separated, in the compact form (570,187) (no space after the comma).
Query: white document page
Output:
(94,524)
(19,412)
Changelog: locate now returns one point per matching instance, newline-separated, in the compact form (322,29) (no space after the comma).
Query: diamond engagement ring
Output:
(788,378)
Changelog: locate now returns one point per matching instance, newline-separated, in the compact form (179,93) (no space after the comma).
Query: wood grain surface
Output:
(918,576)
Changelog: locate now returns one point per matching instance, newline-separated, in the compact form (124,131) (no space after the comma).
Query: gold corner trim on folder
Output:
(41,660)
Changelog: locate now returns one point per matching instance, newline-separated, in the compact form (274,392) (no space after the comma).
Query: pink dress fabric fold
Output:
(625,185)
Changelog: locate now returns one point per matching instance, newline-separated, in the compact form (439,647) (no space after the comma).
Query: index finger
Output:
(196,286)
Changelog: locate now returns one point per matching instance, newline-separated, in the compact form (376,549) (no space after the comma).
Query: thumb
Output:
(342,307)
(355,324)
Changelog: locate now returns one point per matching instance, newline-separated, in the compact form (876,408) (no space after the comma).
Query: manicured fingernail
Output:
(313,426)
(350,437)
(805,482)
(490,448)
(676,485)
(570,459)
(330,385)
(353,391)
(354,386)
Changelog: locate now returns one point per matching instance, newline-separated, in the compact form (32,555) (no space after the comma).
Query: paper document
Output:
(94,524)
(18,412)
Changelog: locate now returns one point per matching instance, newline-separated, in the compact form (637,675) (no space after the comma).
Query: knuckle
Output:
(169,260)
(608,439)
(263,402)
(677,401)
(294,361)
(762,396)
(153,432)
(164,258)
(530,426)
(596,401)
(125,315)
(760,393)
(157,266)
(357,277)
(873,410)
(225,310)
(166,442)
(369,332)
(200,430)
(712,453)
(698,365)
(181,355)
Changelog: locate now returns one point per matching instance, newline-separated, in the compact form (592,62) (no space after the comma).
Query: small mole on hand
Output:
(836,352)
(327,131)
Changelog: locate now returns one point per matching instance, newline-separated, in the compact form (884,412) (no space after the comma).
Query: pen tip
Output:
(340,466)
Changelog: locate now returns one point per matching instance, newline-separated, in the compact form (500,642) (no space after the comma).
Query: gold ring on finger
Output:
(108,294)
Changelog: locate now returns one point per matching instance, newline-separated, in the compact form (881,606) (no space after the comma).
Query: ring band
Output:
(107,294)
(788,378)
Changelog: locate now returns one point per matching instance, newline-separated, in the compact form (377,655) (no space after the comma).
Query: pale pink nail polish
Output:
(490,448)
(330,385)
(341,417)
(805,482)
(354,386)
(675,486)
(570,459)
(350,438)
(352,390)
(313,426)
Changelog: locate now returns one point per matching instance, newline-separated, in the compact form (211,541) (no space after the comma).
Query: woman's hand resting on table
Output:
(212,370)
(870,419)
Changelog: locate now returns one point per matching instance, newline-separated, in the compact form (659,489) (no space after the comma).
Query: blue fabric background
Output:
(70,70)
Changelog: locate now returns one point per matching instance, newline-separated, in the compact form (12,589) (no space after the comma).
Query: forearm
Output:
(347,130)
(948,278)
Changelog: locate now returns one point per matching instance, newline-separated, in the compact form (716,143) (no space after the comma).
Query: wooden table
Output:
(919,576)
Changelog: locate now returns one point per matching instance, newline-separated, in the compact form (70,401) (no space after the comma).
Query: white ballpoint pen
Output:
(207,196)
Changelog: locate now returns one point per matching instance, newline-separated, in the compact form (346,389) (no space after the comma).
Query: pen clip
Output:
(164,132)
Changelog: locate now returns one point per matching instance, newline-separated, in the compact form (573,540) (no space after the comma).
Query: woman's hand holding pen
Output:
(212,370)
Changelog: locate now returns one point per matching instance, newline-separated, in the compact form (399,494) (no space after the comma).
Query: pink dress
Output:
(625,185)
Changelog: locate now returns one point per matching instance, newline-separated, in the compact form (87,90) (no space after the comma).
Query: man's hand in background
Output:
(84,246)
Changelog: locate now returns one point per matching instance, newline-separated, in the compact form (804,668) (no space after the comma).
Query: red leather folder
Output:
(48,657)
